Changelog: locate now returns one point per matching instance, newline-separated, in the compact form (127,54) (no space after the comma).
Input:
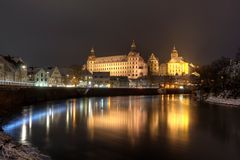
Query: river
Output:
(129,127)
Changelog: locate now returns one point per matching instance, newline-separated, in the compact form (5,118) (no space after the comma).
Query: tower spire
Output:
(174,53)
(174,47)
(133,46)
(92,52)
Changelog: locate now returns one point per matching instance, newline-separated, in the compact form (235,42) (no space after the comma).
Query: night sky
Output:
(61,32)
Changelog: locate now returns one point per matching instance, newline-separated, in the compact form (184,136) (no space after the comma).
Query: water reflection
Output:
(31,117)
(131,116)
(119,120)
(178,122)
(116,120)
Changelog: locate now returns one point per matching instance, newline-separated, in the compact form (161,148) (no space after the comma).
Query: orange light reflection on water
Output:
(118,117)
(178,119)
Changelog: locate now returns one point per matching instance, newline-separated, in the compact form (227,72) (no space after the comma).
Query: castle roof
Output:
(176,60)
(111,59)
(153,57)
(34,70)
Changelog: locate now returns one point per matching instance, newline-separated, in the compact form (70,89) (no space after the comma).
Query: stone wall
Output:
(11,97)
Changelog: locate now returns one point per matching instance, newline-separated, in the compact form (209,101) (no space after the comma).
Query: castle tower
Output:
(91,60)
(92,52)
(174,53)
(153,64)
(133,46)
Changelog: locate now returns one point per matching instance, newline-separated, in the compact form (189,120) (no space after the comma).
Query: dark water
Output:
(134,127)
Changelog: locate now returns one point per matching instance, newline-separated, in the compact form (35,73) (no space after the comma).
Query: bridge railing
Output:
(15,83)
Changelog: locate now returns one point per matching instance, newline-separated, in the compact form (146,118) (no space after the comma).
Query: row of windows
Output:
(123,71)
(133,75)
(175,66)
(44,76)
(133,58)
(131,67)
(154,69)
(113,65)
(119,72)
(128,75)
(175,71)
(41,79)
(41,74)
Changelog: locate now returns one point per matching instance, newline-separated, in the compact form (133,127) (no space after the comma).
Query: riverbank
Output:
(224,101)
(221,100)
(13,150)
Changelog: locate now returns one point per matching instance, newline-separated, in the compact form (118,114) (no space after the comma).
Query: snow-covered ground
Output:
(15,151)
(220,100)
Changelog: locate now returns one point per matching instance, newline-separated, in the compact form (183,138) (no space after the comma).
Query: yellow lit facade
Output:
(131,65)
(176,65)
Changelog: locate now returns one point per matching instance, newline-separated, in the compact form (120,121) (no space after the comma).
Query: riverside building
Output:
(12,69)
(131,65)
(176,65)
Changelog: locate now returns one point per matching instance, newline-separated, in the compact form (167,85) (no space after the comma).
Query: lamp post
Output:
(222,81)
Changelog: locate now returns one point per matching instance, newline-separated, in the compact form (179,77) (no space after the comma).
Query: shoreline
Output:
(223,101)
(10,149)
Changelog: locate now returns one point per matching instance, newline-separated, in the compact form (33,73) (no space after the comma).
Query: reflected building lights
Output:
(119,120)
(178,122)
(154,125)
(67,117)
(23,132)
(125,116)
(30,122)
(109,102)
(48,121)
(25,121)
(81,108)
(52,115)
(181,97)
(74,113)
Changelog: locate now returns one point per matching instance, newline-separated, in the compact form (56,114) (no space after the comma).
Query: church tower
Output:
(92,53)
(177,65)
(133,47)
(174,53)
(91,60)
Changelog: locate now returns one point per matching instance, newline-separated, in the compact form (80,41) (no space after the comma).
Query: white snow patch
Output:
(221,100)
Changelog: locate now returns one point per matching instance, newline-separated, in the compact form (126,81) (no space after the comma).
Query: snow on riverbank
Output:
(220,100)
(13,150)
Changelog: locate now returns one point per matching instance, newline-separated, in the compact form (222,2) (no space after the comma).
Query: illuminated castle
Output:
(175,66)
(131,65)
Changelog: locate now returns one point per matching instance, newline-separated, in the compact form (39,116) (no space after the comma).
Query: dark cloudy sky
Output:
(61,32)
